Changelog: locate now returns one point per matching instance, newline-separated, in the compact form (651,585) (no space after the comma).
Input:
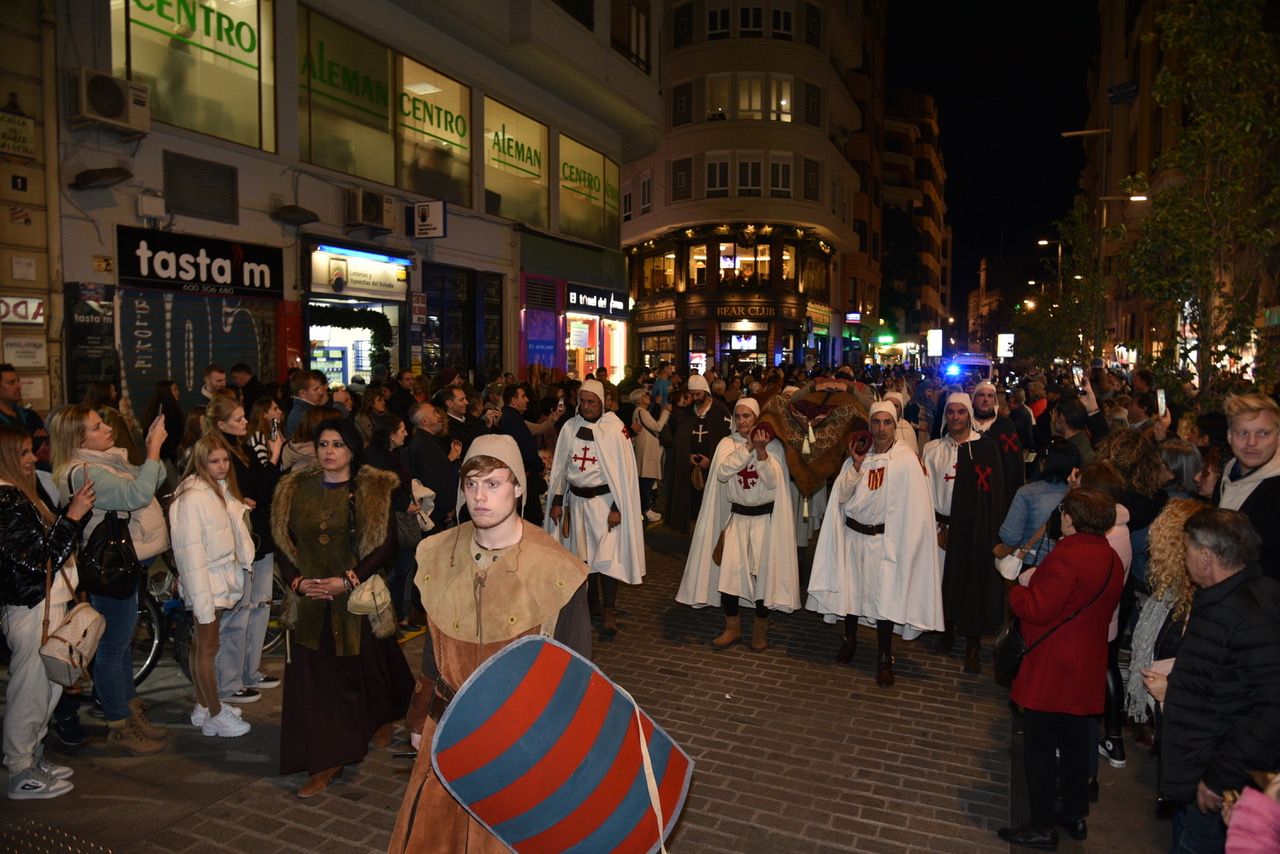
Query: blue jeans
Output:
(113,664)
(1198,833)
(242,631)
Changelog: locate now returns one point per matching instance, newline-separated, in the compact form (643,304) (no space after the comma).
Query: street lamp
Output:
(1046,242)
(1102,182)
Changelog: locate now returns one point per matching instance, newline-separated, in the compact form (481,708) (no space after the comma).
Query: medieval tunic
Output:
(759,558)
(1002,431)
(341,683)
(598,457)
(690,433)
(479,601)
(894,575)
(967,484)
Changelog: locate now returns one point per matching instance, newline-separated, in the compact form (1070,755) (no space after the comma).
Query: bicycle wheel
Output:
(181,636)
(148,637)
(275,634)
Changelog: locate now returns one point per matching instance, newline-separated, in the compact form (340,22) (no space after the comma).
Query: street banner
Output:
(547,753)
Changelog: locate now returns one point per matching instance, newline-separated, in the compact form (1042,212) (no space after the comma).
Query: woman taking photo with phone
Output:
(32,536)
(83,449)
(213,552)
(244,628)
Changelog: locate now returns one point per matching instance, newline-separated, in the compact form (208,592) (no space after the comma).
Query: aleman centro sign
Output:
(201,265)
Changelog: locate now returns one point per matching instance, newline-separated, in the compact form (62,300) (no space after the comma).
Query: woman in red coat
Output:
(1062,681)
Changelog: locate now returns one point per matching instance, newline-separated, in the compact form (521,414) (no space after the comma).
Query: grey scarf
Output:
(1137,702)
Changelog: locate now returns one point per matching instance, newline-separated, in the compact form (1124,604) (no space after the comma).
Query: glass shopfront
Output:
(595,331)
(356,311)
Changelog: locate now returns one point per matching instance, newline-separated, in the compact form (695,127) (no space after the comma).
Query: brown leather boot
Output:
(318,782)
(138,713)
(609,624)
(849,646)
(884,672)
(732,634)
(129,737)
(760,634)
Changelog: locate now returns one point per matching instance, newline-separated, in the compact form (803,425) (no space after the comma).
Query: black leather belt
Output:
(589,491)
(441,697)
(756,510)
(942,520)
(870,530)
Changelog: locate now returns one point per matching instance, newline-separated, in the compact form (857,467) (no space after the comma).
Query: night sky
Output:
(1008,78)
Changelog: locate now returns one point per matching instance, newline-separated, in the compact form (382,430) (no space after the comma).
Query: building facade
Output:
(290,183)
(752,233)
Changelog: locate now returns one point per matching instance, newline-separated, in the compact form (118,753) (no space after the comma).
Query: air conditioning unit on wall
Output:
(374,211)
(101,99)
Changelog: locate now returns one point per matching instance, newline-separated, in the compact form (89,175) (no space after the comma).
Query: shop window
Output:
(753,264)
(813,26)
(781,24)
(682,179)
(612,207)
(789,255)
(515,173)
(344,90)
(435,134)
(750,96)
(682,25)
(780,99)
(718,99)
(681,104)
(210,73)
(780,179)
(812,177)
(718,23)
(660,273)
(750,22)
(749,177)
(588,191)
(717,177)
(697,275)
(728,264)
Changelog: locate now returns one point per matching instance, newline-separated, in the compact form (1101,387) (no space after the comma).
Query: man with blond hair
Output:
(1251,482)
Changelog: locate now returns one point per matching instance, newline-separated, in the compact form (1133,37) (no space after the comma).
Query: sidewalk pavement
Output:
(793,754)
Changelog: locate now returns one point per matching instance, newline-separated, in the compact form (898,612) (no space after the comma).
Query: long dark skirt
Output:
(334,704)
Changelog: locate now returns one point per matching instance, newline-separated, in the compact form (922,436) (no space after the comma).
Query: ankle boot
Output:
(972,663)
(609,624)
(760,634)
(318,782)
(732,634)
(128,736)
(884,671)
(946,640)
(849,646)
(138,713)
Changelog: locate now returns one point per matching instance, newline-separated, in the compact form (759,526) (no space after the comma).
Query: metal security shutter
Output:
(162,335)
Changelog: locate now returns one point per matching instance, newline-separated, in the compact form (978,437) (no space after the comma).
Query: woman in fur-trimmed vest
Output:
(343,685)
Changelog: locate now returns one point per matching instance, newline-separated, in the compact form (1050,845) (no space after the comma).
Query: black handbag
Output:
(1011,647)
(107,564)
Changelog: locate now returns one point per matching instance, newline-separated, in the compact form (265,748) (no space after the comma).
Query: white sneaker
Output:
(200,714)
(34,784)
(54,770)
(652,516)
(226,724)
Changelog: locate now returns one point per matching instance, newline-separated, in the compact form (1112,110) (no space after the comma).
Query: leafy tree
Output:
(1202,250)
(1065,325)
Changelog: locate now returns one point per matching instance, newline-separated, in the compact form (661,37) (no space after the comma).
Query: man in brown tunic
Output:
(485,583)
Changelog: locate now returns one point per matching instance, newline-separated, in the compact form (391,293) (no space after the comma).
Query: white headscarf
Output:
(962,399)
(884,406)
(593,386)
(697,382)
(749,403)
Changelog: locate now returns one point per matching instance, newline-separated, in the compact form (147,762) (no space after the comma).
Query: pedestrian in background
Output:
(33,538)
(213,553)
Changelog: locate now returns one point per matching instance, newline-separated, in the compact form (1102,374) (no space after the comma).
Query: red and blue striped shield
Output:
(545,751)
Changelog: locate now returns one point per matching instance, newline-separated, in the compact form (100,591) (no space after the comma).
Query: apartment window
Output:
(780,179)
(875,245)
(813,26)
(717,176)
(583,11)
(749,178)
(750,22)
(631,31)
(750,96)
(835,192)
(718,100)
(781,24)
(718,23)
(812,175)
(813,104)
(682,25)
(780,99)
(626,206)
(681,104)
(682,179)
(646,194)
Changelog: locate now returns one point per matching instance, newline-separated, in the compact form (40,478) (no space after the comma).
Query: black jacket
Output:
(26,545)
(429,464)
(257,480)
(512,423)
(1222,709)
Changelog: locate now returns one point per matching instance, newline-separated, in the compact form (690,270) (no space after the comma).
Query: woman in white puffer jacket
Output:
(213,551)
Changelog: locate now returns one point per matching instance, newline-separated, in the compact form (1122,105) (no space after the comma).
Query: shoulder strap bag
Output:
(67,651)
(1011,647)
(1010,565)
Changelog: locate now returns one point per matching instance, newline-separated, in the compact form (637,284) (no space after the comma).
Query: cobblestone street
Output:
(793,753)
